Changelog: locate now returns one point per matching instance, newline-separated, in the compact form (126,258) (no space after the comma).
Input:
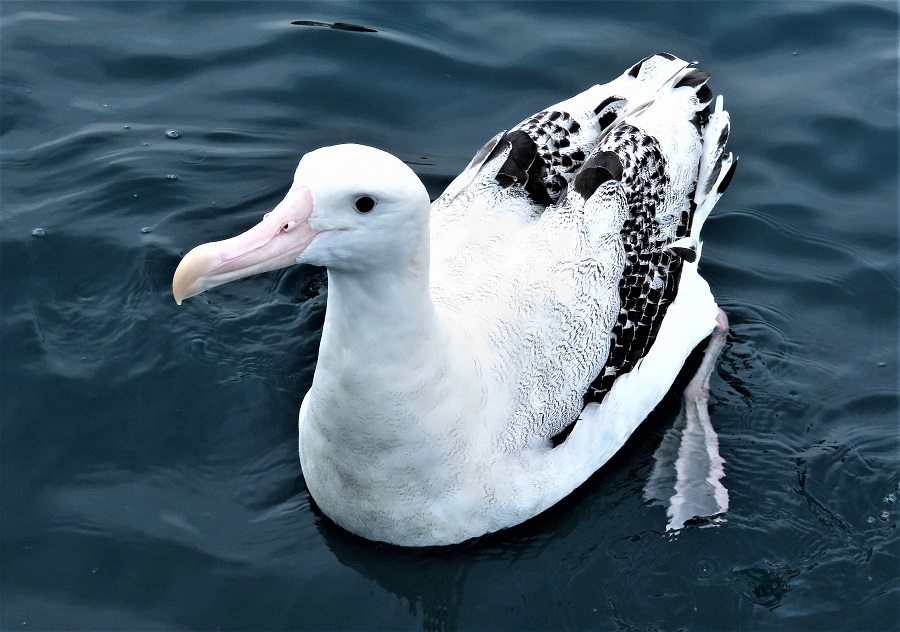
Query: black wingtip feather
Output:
(607,119)
(523,166)
(607,101)
(693,78)
(688,254)
(599,168)
(608,110)
(727,179)
(636,69)
(713,176)
(704,94)
(700,119)
(723,136)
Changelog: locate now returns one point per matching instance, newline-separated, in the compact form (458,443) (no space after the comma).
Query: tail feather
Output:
(716,166)
(654,70)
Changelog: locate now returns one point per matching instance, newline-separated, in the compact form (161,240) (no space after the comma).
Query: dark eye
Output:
(364,204)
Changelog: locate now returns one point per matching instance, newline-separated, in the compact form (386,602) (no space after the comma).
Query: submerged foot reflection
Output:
(688,469)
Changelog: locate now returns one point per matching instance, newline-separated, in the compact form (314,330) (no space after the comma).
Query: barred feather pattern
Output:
(650,277)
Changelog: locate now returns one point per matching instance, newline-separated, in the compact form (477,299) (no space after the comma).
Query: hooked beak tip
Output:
(188,274)
(264,247)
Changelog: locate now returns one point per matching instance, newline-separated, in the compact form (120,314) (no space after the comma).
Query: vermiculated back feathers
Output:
(646,153)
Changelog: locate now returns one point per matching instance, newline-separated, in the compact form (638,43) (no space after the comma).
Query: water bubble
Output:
(172,176)
(870,519)
(38,232)
(890,499)
(172,133)
(193,156)
(705,570)
(146,229)
(884,515)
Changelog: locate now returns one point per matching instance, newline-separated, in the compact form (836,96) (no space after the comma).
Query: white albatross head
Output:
(350,208)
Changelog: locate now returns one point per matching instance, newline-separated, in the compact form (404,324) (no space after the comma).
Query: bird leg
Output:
(688,468)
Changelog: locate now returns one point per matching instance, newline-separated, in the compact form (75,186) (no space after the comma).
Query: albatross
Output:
(482,355)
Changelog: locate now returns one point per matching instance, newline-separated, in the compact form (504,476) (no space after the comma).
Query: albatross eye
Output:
(364,204)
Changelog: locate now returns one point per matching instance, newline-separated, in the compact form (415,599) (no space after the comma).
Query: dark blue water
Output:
(148,452)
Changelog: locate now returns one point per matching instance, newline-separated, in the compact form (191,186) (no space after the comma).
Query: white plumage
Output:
(555,280)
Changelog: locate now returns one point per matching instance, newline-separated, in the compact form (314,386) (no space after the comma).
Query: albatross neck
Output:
(383,311)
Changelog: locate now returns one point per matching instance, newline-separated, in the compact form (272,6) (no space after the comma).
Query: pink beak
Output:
(274,243)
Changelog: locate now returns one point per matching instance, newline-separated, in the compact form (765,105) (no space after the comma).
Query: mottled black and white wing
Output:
(667,161)
(530,167)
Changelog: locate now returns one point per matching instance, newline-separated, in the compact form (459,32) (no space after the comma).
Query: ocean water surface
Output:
(148,467)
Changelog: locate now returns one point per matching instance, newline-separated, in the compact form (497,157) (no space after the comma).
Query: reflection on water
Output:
(688,468)
(687,473)
(431,582)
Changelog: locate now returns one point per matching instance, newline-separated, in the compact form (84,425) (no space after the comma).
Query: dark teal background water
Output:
(148,452)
